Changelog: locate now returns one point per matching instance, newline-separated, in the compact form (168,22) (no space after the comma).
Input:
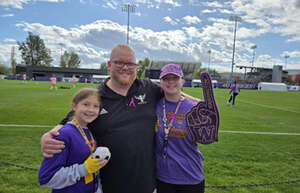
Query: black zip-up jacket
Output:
(126,126)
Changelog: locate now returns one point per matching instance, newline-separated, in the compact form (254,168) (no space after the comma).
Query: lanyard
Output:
(167,126)
(92,146)
(91,143)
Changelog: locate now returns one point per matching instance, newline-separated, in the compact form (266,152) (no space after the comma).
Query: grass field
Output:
(237,159)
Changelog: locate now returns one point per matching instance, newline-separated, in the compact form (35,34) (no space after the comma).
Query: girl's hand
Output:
(102,162)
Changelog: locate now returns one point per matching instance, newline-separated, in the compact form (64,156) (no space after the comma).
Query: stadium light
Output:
(209,52)
(61,45)
(253,48)
(236,19)
(129,9)
(286,57)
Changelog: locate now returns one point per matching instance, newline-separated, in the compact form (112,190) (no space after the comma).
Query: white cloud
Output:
(215,4)
(293,54)
(209,11)
(170,20)
(225,11)
(93,42)
(170,2)
(111,4)
(7,15)
(276,16)
(18,4)
(9,40)
(191,19)
(5,54)
(14,3)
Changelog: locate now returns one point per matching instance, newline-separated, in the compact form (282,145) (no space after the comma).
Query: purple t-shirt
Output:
(76,151)
(183,163)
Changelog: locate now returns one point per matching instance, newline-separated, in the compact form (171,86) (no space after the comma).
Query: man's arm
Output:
(51,146)
(190,97)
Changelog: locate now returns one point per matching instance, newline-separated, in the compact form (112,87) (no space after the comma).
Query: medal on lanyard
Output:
(166,126)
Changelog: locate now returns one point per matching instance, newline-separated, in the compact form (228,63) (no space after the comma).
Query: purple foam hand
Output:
(203,120)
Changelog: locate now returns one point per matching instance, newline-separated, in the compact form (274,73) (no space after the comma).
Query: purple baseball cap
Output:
(171,69)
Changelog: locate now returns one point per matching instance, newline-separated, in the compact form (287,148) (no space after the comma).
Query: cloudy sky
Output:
(162,30)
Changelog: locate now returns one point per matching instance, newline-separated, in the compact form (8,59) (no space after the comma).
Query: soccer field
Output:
(258,151)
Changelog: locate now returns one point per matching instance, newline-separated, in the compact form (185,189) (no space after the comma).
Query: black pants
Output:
(232,97)
(163,187)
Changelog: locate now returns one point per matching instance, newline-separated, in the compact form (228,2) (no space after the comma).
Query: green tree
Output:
(213,73)
(4,69)
(69,60)
(103,66)
(197,72)
(142,67)
(13,60)
(143,75)
(34,51)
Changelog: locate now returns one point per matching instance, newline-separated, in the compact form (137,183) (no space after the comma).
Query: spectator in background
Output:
(74,81)
(53,82)
(24,78)
(234,91)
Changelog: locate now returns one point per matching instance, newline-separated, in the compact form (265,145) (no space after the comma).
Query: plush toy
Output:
(102,152)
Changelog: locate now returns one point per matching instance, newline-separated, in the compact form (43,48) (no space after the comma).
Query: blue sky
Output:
(162,30)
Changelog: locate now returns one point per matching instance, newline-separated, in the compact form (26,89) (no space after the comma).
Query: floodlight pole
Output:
(253,48)
(129,9)
(286,57)
(61,45)
(209,52)
(235,19)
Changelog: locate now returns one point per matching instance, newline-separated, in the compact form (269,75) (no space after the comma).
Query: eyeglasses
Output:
(121,64)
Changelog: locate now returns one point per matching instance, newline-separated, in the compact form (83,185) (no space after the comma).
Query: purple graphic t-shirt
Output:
(183,162)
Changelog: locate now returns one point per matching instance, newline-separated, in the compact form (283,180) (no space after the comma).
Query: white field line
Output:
(13,125)
(221,131)
(270,107)
(258,133)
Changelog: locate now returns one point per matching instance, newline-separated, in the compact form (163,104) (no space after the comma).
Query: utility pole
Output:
(236,19)
(129,9)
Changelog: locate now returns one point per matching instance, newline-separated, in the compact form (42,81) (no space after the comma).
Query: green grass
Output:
(236,159)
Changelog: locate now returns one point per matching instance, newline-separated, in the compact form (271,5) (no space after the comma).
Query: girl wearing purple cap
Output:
(178,159)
